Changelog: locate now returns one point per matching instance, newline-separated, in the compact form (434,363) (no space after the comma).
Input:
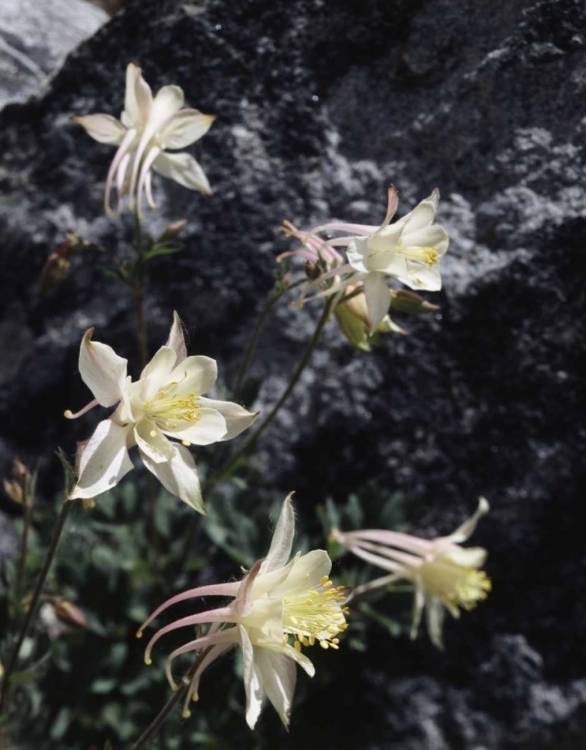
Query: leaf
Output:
(157,250)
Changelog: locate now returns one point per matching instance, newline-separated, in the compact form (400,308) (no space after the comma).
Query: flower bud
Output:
(411,303)
(16,488)
(69,613)
(352,317)
(172,232)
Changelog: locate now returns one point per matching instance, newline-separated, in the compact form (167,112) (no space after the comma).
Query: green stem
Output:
(274,297)
(138,291)
(160,718)
(248,444)
(65,509)
(28,495)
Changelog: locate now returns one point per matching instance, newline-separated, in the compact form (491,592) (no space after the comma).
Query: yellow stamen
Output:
(427,255)
(169,411)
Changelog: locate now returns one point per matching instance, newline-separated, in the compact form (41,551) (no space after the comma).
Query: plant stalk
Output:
(12,662)
(161,717)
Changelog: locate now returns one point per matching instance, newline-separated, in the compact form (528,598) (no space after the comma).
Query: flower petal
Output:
(178,476)
(185,128)
(166,103)
(209,428)
(378,299)
(289,651)
(420,277)
(195,375)
(465,531)
(278,677)
(282,541)
(306,573)
(252,679)
(138,98)
(236,416)
(157,373)
(152,442)
(434,618)
(104,461)
(176,340)
(184,169)
(102,370)
(422,215)
(102,128)
(434,236)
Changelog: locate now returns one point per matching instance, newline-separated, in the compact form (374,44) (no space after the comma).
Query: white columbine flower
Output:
(279,600)
(166,402)
(445,575)
(408,250)
(148,127)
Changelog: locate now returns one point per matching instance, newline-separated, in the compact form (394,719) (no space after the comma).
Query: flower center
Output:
(455,585)
(168,411)
(315,615)
(427,255)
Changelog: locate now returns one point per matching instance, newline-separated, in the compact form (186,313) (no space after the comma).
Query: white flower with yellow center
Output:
(278,602)
(166,402)
(148,127)
(446,576)
(408,250)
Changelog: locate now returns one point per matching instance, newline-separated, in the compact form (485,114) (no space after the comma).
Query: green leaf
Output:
(157,250)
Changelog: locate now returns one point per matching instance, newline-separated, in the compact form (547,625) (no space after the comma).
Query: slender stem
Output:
(141,324)
(160,718)
(274,297)
(248,444)
(28,496)
(65,509)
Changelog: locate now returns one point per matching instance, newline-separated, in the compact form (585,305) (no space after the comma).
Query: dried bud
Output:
(312,271)
(69,613)
(172,232)
(16,488)
(411,303)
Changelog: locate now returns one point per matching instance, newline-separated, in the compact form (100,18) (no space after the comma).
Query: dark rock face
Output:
(320,106)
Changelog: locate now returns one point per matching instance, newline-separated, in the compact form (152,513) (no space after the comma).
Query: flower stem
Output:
(250,443)
(138,291)
(65,509)
(28,497)
(274,297)
(160,718)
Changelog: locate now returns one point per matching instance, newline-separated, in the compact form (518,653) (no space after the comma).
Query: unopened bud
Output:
(411,303)
(172,231)
(312,270)
(54,271)
(354,322)
(69,613)
(14,490)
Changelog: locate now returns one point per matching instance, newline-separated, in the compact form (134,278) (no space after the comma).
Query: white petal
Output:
(422,215)
(178,476)
(176,340)
(138,98)
(434,616)
(210,427)
(252,680)
(306,573)
(166,103)
(418,606)
(102,128)
(157,374)
(195,375)
(434,236)
(152,442)
(289,651)
(465,531)
(102,370)
(104,461)
(237,418)
(378,298)
(278,676)
(422,277)
(282,541)
(184,169)
(357,253)
(185,128)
